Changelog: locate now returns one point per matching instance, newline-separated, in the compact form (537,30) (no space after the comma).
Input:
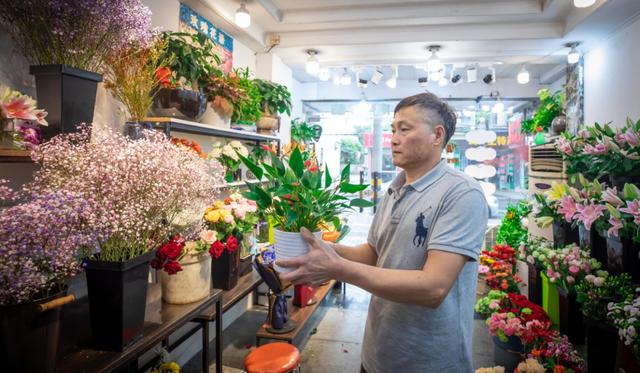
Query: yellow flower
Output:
(171,367)
(224,212)
(558,190)
(219,204)
(212,216)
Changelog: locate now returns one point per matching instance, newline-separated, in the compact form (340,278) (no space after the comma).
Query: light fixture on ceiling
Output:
(362,83)
(523,75)
(574,54)
(423,81)
(433,63)
(345,79)
(377,76)
(392,82)
(435,76)
(243,18)
(312,66)
(583,3)
(337,77)
(472,74)
(455,77)
(324,75)
(491,77)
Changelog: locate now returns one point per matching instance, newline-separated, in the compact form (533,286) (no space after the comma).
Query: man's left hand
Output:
(320,264)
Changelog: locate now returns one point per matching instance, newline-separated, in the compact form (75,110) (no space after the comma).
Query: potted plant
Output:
(299,195)
(623,238)
(304,133)
(276,99)
(224,93)
(41,240)
(247,111)
(19,120)
(228,155)
(555,207)
(191,59)
(137,189)
(551,106)
(67,44)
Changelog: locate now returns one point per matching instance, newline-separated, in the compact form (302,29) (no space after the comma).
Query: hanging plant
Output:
(551,106)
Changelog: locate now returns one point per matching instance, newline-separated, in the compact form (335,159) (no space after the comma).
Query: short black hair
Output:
(438,111)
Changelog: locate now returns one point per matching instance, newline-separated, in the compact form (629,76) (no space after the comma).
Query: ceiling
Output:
(358,33)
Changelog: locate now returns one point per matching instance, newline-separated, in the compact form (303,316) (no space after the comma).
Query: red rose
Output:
(216,249)
(156,263)
(172,267)
(232,244)
(170,250)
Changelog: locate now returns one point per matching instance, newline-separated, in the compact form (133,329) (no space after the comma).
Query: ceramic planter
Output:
(67,94)
(213,116)
(268,124)
(290,245)
(189,285)
(117,300)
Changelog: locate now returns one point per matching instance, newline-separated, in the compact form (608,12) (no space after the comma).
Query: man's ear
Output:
(441,135)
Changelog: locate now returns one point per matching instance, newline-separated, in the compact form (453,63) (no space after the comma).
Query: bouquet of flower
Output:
(569,265)
(552,205)
(19,119)
(506,324)
(499,252)
(231,219)
(169,254)
(626,317)
(535,251)
(485,306)
(623,211)
(597,291)
(189,145)
(557,354)
(502,276)
(229,155)
(137,188)
(40,241)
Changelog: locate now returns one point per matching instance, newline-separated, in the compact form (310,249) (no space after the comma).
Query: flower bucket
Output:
(535,285)
(571,319)
(622,256)
(290,245)
(550,299)
(214,117)
(626,360)
(564,234)
(189,285)
(117,300)
(29,336)
(596,244)
(225,270)
(507,354)
(602,342)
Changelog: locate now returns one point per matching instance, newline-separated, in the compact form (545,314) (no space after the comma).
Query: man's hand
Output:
(320,264)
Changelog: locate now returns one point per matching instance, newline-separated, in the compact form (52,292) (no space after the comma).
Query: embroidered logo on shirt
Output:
(421,231)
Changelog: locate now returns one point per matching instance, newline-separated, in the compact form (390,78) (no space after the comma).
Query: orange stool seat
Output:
(275,357)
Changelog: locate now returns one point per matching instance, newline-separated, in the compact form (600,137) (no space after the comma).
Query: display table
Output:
(161,319)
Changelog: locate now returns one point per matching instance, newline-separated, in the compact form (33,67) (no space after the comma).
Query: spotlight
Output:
(324,75)
(312,66)
(443,82)
(472,74)
(362,83)
(488,79)
(376,77)
(243,18)
(423,81)
(456,79)
(523,76)
(574,55)
(433,63)
(583,3)
(435,76)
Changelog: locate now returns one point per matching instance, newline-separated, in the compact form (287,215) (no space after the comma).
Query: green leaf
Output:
(296,163)
(630,192)
(327,177)
(346,172)
(277,163)
(359,202)
(255,169)
(352,188)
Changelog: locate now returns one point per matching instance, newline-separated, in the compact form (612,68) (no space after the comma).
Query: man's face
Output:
(414,142)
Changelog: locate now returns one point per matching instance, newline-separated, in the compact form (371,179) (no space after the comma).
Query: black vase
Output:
(67,94)
(622,256)
(564,234)
(179,103)
(602,342)
(507,354)
(618,181)
(28,337)
(225,270)
(594,241)
(117,300)
(571,319)
(535,285)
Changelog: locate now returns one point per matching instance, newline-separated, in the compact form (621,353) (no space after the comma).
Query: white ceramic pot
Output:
(189,285)
(290,245)
(214,117)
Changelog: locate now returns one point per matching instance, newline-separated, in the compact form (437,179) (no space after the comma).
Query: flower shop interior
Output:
(163,153)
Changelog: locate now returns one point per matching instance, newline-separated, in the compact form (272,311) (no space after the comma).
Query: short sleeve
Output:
(461,224)
(372,237)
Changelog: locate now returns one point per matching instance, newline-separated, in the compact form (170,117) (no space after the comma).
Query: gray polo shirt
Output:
(443,210)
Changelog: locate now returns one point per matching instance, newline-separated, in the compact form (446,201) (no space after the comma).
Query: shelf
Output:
(181,125)
(15,155)
(239,184)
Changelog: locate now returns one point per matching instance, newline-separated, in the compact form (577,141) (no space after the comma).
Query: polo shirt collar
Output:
(423,182)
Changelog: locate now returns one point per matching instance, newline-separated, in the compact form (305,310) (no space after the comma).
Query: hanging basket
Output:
(189,285)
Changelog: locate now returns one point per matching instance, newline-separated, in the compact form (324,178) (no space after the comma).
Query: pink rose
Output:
(208,236)
(228,219)
(598,281)
(239,213)
(573,269)
(570,280)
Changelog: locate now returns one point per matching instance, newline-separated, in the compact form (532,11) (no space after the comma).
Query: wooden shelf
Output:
(181,125)
(15,155)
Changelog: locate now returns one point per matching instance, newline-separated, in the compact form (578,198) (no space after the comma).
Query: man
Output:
(420,259)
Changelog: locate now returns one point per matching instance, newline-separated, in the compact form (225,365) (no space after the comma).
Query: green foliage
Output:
(192,57)
(483,305)
(551,106)
(350,151)
(250,110)
(511,230)
(594,296)
(304,133)
(276,98)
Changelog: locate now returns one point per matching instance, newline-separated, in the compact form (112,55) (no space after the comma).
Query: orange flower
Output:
(559,369)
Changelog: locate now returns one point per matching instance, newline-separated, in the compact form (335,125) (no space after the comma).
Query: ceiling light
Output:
(499,106)
(443,82)
(423,81)
(491,77)
(345,79)
(376,77)
(312,66)
(362,83)
(337,77)
(433,63)
(392,82)
(435,76)
(523,76)
(574,54)
(243,18)
(324,75)
(583,3)
(472,74)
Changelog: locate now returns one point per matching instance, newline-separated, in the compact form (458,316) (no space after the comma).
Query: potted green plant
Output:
(276,99)
(224,93)
(67,43)
(247,111)
(304,133)
(551,106)
(300,195)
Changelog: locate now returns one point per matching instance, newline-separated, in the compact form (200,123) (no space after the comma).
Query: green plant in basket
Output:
(276,98)
(300,196)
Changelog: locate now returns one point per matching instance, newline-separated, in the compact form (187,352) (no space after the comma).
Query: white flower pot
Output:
(189,285)
(290,245)
(214,117)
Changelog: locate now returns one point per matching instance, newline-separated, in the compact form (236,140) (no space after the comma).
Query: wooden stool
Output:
(275,357)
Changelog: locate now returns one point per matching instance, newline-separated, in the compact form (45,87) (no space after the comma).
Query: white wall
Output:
(611,78)
(243,56)
(166,13)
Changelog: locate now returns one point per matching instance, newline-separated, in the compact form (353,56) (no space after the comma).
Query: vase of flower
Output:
(29,334)
(68,94)
(602,342)
(507,354)
(571,320)
(225,270)
(189,285)
(535,284)
(622,256)
(550,299)
(290,245)
(594,241)
(117,300)
(564,234)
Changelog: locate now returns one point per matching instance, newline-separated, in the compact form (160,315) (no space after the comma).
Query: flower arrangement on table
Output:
(568,265)
(600,289)
(19,120)
(136,188)
(626,318)
(228,154)
(513,230)
(170,253)
(498,266)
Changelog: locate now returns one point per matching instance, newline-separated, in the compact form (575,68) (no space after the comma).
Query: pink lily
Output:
(567,208)
(595,150)
(589,214)
(616,225)
(19,107)
(564,146)
(611,195)
(633,207)
(631,137)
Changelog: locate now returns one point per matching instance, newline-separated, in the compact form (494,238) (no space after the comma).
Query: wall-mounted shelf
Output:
(15,155)
(239,184)
(181,125)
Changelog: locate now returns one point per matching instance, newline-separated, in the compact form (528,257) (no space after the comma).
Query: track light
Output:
(574,54)
(392,82)
(362,83)
(423,81)
(583,3)
(523,76)
(490,78)
(345,79)
(376,77)
(324,75)
(433,63)
(472,74)
(243,18)
(312,66)
(456,78)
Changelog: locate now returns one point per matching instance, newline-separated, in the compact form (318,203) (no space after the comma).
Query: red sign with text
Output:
(368,140)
